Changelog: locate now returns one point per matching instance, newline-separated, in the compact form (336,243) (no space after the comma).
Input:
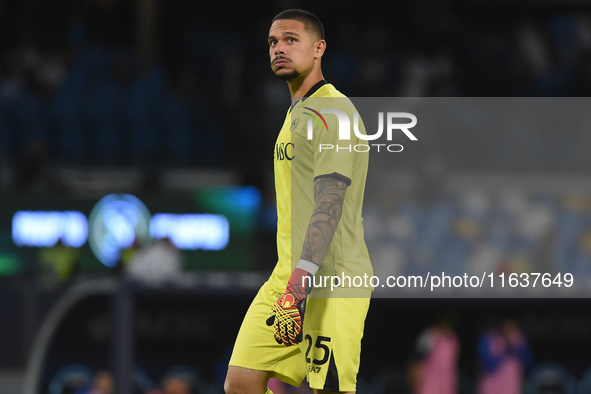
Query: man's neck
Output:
(299,86)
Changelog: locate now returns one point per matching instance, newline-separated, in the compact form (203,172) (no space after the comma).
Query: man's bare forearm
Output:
(329,194)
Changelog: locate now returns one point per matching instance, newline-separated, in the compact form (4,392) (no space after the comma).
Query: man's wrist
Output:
(300,283)
(308,266)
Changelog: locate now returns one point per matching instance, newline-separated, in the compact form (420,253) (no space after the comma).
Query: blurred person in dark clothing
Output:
(504,356)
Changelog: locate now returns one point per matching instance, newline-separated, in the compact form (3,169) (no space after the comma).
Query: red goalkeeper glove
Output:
(287,314)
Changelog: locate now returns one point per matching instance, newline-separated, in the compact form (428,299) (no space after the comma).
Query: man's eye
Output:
(291,39)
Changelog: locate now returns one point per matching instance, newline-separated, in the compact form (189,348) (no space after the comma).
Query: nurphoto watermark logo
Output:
(344,123)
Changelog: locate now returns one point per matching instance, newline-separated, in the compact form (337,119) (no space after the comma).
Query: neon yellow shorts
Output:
(329,354)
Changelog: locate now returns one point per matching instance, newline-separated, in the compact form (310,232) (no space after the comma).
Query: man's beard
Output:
(289,76)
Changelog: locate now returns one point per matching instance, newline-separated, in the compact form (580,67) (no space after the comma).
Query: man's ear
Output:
(320,48)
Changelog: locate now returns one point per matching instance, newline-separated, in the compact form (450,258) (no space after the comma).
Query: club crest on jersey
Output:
(294,124)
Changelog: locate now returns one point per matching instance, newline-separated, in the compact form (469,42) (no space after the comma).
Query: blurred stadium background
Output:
(170,107)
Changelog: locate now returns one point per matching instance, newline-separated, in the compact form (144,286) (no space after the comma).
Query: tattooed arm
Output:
(287,314)
(329,194)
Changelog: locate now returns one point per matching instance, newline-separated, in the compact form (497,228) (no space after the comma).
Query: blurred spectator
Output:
(504,356)
(127,256)
(176,385)
(575,256)
(102,383)
(581,261)
(431,176)
(70,379)
(157,263)
(58,263)
(436,369)
(463,237)
(183,379)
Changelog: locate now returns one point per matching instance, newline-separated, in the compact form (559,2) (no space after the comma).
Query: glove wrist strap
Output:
(300,283)
(307,266)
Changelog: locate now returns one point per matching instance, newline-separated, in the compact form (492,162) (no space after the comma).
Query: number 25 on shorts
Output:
(320,353)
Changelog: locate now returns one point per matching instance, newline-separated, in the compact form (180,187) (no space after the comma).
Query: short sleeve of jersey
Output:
(332,156)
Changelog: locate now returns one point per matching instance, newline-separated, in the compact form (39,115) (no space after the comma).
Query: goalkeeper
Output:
(292,330)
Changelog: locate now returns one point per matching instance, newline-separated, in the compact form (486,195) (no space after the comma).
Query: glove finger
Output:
(287,334)
(300,337)
(283,335)
(278,330)
(295,332)
(286,341)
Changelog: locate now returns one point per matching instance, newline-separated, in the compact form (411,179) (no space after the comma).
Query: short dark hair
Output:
(311,22)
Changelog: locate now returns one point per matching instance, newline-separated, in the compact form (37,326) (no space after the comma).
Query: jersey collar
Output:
(310,92)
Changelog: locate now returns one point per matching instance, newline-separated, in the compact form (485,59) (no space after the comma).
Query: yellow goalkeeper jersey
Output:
(309,146)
